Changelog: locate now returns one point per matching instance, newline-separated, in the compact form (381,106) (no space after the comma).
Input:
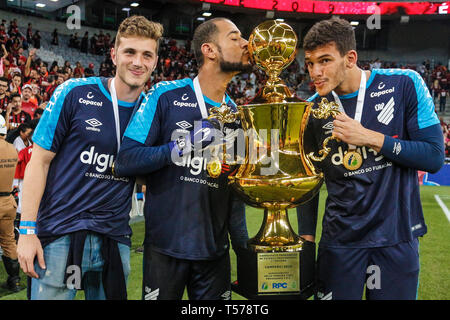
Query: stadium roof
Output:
(50,5)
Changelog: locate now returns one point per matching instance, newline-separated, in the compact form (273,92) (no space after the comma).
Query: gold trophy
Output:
(277,173)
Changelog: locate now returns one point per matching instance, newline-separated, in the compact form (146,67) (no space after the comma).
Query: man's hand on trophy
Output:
(205,133)
(352,132)
(180,146)
(308,237)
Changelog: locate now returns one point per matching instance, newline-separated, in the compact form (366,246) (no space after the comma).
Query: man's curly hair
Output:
(334,30)
(139,26)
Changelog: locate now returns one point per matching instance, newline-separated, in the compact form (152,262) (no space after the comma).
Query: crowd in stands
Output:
(446,131)
(27,82)
(97,44)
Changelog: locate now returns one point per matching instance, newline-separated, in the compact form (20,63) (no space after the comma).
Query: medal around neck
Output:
(352,160)
(214,165)
(214,168)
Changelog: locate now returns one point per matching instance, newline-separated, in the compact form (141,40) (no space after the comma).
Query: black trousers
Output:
(166,277)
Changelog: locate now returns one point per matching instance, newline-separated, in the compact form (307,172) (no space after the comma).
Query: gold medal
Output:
(352,160)
(214,168)
(112,169)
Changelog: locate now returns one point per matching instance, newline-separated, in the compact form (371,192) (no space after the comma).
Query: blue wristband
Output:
(27,231)
(27,224)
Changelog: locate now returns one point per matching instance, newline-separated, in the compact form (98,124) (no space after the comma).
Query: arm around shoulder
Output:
(135,158)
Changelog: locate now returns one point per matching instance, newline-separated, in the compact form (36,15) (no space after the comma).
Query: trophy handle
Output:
(324,152)
(223,114)
(325,110)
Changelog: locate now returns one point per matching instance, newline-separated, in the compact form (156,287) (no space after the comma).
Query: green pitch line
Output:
(443,206)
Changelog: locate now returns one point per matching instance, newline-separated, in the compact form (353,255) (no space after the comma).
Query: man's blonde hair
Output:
(139,26)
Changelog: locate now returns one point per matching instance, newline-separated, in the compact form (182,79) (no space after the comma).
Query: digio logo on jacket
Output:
(100,160)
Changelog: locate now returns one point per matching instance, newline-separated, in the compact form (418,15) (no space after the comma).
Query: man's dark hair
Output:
(37,112)
(33,123)
(14,133)
(24,127)
(334,30)
(14,95)
(204,33)
(4,79)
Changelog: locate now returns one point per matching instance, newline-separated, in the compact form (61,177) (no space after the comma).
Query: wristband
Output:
(27,231)
(27,224)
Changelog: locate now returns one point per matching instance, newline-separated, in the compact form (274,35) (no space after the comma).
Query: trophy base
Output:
(276,275)
(276,234)
(276,245)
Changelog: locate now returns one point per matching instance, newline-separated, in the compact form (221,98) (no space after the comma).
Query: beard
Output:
(227,66)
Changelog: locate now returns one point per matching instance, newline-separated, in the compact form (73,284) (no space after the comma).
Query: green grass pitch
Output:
(434,250)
